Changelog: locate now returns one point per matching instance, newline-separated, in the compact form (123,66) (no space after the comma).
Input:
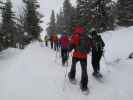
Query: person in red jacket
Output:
(64,42)
(54,41)
(80,42)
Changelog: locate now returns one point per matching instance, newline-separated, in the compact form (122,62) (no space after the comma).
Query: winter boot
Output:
(97,74)
(72,80)
(84,89)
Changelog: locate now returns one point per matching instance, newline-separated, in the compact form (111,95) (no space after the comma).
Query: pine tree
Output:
(1,4)
(60,22)
(83,8)
(125,12)
(95,11)
(8,25)
(101,16)
(81,16)
(1,35)
(52,25)
(65,17)
(33,19)
(68,13)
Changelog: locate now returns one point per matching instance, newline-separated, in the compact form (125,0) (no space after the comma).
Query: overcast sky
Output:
(45,8)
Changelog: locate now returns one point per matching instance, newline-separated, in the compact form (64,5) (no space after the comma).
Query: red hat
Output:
(79,29)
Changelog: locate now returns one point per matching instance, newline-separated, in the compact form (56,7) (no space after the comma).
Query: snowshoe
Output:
(84,90)
(98,76)
(72,80)
(65,64)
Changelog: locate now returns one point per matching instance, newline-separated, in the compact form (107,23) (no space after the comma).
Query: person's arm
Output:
(103,44)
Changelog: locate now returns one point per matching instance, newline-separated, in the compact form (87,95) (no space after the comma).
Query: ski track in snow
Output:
(36,74)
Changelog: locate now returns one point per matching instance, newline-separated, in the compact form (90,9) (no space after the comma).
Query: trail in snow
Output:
(34,75)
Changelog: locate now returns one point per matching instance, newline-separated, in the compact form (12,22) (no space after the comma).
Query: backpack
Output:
(98,43)
(84,44)
(64,41)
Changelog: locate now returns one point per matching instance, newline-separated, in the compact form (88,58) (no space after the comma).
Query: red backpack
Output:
(81,42)
(64,41)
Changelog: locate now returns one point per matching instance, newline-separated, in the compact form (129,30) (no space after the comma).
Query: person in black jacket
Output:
(97,52)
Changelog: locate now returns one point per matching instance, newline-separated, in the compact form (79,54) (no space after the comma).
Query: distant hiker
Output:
(80,43)
(64,42)
(46,40)
(57,44)
(97,52)
(55,40)
(51,41)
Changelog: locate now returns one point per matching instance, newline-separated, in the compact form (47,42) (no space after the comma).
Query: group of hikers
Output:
(80,44)
(54,41)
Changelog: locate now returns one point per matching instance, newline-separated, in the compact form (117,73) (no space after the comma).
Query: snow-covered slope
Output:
(119,43)
(36,73)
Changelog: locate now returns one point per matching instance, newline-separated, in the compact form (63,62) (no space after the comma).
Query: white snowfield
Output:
(36,73)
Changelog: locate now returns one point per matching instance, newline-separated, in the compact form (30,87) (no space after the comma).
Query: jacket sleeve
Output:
(103,44)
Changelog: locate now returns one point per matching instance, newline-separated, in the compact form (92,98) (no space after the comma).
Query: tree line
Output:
(102,15)
(18,31)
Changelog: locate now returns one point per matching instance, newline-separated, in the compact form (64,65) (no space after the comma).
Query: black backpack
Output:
(98,43)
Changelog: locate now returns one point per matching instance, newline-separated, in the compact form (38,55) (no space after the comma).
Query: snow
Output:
(36,72)
(123,43)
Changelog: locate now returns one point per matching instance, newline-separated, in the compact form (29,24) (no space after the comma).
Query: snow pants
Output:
(51,44)
(46,43)
(64,55)
(84,75)
(96,57)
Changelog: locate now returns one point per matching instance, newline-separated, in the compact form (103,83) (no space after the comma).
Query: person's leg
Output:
(72,72)
(62,56)
(65,55)
(98,60)
(54,46)
(46,43)
(94,61)
(84,75)
(51,45)
(57,46)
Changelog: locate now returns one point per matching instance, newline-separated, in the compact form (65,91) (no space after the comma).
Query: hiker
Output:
(58,43)
(55,41)
(51,41)
(80,43)
(97,52)
(46,40)
(64,43)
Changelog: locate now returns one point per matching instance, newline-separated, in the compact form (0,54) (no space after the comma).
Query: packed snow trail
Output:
(36,74)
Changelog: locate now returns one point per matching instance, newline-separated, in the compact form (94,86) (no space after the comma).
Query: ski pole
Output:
(56,55)
(65,78)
